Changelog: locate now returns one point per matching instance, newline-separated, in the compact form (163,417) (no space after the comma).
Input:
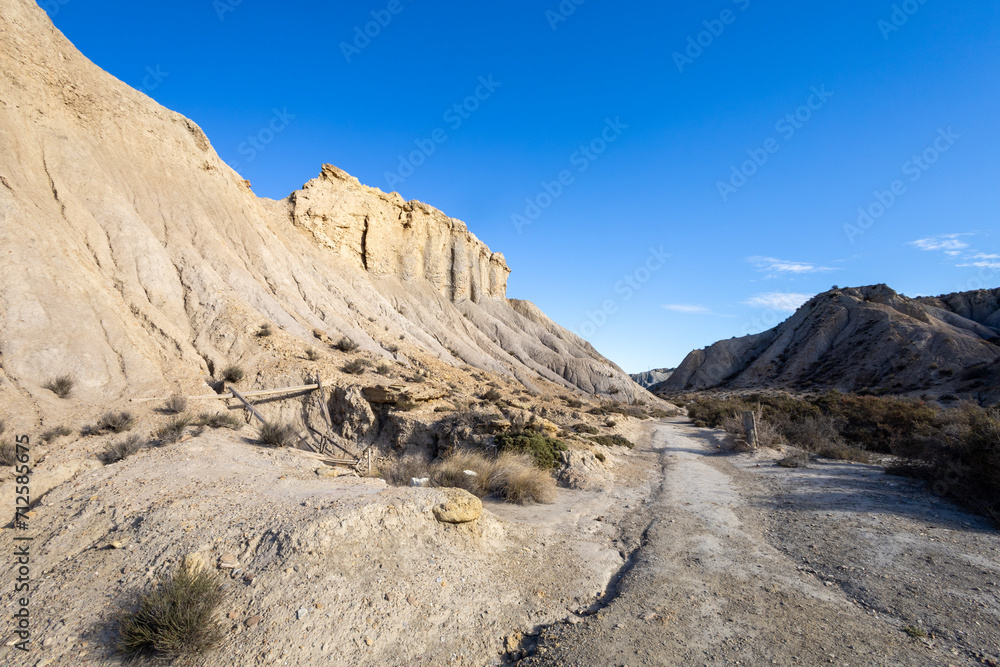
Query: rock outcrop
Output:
(136,261)
(651,378)
(867,338)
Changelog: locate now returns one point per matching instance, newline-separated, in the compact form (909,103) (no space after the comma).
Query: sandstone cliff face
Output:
(136,260)
(387,236)
(864,338)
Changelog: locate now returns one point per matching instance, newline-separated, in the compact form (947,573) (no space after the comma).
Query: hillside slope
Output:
(866,338)
(136,261)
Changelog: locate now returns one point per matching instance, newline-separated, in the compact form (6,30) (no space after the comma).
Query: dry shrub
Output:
(795,458)
(232,374)
(451,472)
(220,420)
(356,366)
(116,422)
(175,405)
(277,435)
(61,386)
(176,618)
(122,449)
(516,479)
(345,344)
(8,453)
(173,430)
(56,432)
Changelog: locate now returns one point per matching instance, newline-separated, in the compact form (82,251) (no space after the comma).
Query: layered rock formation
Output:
(653,377)
(867,338)
(136,260)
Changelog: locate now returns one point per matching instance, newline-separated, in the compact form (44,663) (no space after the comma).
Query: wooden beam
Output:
(249,394)
(322,400)
(249,407)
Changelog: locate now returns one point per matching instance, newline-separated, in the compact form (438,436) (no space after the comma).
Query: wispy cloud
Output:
(982,265)
(688,309)
(775,266)
(947,242)
(780,301)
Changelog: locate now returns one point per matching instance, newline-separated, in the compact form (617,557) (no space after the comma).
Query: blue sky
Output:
(658,178)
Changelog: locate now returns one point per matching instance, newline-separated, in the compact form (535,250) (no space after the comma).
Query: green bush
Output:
(543,449)
(613,440)
(177,618)
(585,428)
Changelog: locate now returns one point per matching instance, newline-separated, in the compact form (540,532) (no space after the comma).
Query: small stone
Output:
(573,619)
(228,562)
(301,613)
(116,545)
(368,640)
(232,616)
(647,616)
(252,621)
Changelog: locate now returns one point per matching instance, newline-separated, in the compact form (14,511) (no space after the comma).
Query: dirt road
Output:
(743,562)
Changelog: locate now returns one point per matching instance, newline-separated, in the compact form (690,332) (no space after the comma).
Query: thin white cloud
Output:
(947,242)
(687,309)
(780,301)
(985,265)
(780,266)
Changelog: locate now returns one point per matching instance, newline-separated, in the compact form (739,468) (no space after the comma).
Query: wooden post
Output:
(750,428)
(322,400)
(249,407)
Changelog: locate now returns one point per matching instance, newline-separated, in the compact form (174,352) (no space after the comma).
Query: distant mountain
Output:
(865,338)
(653,377)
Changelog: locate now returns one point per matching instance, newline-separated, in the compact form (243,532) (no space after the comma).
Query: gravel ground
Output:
(743,562)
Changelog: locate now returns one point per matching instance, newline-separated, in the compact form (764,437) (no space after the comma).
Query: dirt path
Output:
(743,562)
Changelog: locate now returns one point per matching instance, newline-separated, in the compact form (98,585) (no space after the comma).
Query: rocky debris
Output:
(252,621)
(582,470)
(352,415)
(459,507)
(228,562)
(867,338)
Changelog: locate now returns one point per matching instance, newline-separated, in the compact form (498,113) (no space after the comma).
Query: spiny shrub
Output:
(265,330)
(542,448)
(177,618)
(277,435)
(122,449)
(384,368)
(61,386)
(312,354)
(232,374)
(116,422)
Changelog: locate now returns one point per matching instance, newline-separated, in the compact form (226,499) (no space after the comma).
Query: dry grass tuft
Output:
(516,479)
(277,435)
(177,618)
(116,422)
(122,449)
(61,386)
(220,420)
(175,405)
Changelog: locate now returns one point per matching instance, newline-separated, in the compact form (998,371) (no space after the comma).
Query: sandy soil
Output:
(690,556)
(743,562)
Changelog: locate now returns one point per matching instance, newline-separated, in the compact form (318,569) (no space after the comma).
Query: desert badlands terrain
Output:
(327,408)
